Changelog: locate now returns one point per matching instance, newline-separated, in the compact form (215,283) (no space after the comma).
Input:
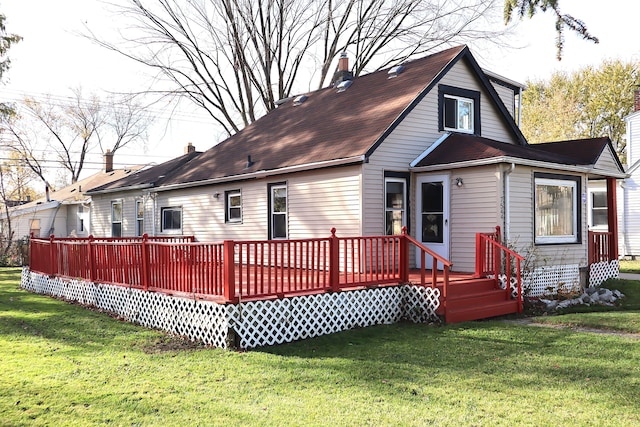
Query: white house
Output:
(430,144)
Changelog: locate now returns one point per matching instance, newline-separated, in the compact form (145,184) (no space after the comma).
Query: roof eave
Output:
(266,173)
(119,189)
(523,162)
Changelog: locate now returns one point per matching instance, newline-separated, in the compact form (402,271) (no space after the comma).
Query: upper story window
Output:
(171,219)
(116,218)
(458,110)
(458,114)
(233,206)
(557,209)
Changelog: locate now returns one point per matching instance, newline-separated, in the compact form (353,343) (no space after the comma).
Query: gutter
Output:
(523,162)
(264,173)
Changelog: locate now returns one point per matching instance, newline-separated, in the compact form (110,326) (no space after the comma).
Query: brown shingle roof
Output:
(457,148)
(327,126)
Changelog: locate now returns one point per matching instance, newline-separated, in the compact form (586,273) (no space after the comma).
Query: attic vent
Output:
(344,85)
(299,100)
(395,71)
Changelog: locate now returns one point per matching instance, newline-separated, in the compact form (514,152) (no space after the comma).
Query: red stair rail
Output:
(489,256)
(446,265)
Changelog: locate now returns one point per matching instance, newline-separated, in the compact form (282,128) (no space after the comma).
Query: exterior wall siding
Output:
(475,208)
(520,230)
(630,234)
(417,132)
(507,96)
(317,201)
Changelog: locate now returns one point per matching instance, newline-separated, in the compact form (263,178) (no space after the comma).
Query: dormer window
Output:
(458,110)
(458,114)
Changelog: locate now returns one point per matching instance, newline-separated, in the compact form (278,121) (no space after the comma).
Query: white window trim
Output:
(272,214)
(574,238)
(471,118)
(121,221)
(228,207)
(139,218)
(590,207)
(404,200)
(171,230)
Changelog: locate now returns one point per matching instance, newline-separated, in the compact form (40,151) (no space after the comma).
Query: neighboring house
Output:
(431,145)
(630,206)
(65,212)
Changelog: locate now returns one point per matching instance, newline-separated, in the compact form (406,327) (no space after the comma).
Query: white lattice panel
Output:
(419,304)
(256,323)
(601,271)
(513,284)
(197,320)
(549,279)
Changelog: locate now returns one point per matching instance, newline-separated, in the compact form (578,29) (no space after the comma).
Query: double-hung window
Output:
(599,217)
(458,109)
(278,221)
(233,208)
(116,218)
(557,209)
(395,205)
(171,219)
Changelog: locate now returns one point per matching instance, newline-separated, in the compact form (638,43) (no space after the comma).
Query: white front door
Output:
(432,217)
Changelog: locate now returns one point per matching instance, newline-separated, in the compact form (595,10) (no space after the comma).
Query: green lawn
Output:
(628,266)
(65,365)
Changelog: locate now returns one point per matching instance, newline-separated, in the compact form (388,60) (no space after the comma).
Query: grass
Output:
(629,266)
(65,365)
(622,318)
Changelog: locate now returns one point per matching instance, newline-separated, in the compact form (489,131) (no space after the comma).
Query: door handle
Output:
(446,222)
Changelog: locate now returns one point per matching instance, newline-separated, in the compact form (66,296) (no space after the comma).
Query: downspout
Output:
(507,201)
(153,213)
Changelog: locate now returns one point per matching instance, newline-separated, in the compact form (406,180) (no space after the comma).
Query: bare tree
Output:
(236,58)
(67,130)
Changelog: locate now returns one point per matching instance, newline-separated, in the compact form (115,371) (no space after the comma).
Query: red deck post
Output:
(612,218)
(404,256)
(480,255)
(52,256)
(145,262)
(92,261)
(334,261)
(229,266)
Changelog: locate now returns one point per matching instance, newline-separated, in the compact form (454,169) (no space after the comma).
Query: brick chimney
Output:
(108,161)
(636,99)
(189,148)
(343,72)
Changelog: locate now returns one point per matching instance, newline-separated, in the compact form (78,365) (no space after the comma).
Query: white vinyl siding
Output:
(507,96)
(318,201)
(475,207)
(416,133)
(521,227)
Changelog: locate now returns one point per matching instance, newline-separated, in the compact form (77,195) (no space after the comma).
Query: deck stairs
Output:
(474,299)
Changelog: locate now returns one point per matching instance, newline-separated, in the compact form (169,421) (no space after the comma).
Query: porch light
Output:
(459,182)
(216,195)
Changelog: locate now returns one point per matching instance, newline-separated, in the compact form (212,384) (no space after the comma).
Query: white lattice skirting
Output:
(601,271)
(549,279)
(250,324)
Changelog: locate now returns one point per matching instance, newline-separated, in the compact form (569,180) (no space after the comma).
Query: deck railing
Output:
(494,259)
(599,246)
(233,270)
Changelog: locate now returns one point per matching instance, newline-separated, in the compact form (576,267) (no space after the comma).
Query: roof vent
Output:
(395,71)
(279,102)
(344,85)
(249,162)
(299,100)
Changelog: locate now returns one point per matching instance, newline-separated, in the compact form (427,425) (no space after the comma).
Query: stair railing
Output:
(490,253)
(436,258)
